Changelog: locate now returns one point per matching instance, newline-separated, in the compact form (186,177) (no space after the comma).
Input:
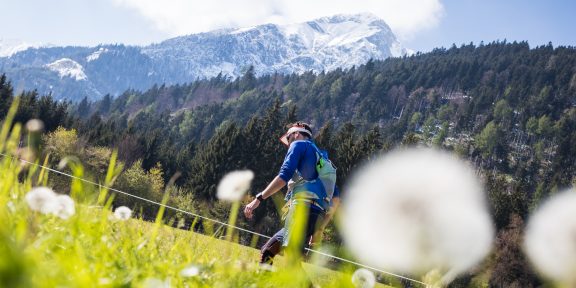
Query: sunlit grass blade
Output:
(43,176)
(7,125)
(112,173)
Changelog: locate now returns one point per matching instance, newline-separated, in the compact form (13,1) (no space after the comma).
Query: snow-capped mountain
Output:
(328,43)
(9,47)
(324,44)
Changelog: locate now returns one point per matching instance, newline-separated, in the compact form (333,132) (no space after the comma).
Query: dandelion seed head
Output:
(234,185)
(122,213)
(42,199)
(65,206)
(550,240)
(415,210)
(363,278)
(190,271)
(46,201)
(35,125)
(156,283)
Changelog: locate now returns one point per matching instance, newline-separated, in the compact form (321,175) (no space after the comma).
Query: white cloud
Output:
(181,17)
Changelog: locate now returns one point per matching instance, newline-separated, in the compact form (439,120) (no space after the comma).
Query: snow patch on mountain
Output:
(96,54)
(330,31)
(9,47)
(67,67)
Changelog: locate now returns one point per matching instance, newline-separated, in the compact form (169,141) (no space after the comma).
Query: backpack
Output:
(326,173)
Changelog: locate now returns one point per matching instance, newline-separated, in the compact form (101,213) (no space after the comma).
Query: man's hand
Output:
(272,188)
(249,209)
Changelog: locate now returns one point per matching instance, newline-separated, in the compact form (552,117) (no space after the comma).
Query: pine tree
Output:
(248,80)
(346,156)
(104,105)
(324,139)
(84,108)
(369,145)
(564,162)
(219,156)
(6,95)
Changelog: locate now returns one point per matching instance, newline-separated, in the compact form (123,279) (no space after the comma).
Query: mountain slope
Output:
(9,47)
(324,44)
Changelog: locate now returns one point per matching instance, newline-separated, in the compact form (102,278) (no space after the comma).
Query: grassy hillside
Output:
(82,244)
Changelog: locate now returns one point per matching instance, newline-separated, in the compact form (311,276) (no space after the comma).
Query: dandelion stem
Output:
(232,220)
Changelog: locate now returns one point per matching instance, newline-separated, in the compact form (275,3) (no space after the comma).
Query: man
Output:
(307,189)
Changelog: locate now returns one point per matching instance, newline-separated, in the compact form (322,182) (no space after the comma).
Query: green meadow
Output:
(93,248)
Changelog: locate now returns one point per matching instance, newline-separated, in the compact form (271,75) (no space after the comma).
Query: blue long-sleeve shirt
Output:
(301,157)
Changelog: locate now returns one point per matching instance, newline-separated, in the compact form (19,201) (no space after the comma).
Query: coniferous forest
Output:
(507,108)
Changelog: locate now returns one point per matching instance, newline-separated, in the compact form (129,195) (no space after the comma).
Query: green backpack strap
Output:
(326,172)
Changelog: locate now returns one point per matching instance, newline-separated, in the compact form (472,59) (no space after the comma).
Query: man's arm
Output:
(295,152)
(272,188)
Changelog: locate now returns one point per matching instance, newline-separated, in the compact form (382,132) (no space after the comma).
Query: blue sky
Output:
(421,25)
(538,22)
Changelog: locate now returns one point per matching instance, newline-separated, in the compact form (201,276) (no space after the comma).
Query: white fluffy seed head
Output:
(66,207)
(156,283)
(190,271)
(550,240)
(416,210)
(35,125)
(363,278)
(41,199)
(45,201)
(122,213)
(234,185)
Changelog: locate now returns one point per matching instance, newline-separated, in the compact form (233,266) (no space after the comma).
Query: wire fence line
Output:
(210,219)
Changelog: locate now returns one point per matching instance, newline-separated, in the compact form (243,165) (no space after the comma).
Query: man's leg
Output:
(309,227)
(312,227)
(272,247)
(312,220)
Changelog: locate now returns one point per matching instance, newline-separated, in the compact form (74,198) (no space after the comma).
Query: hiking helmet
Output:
(299,127)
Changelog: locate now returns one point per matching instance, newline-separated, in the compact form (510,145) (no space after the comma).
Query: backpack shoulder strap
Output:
(319,153)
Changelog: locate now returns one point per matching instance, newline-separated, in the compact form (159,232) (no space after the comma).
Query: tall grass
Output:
(92,248)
